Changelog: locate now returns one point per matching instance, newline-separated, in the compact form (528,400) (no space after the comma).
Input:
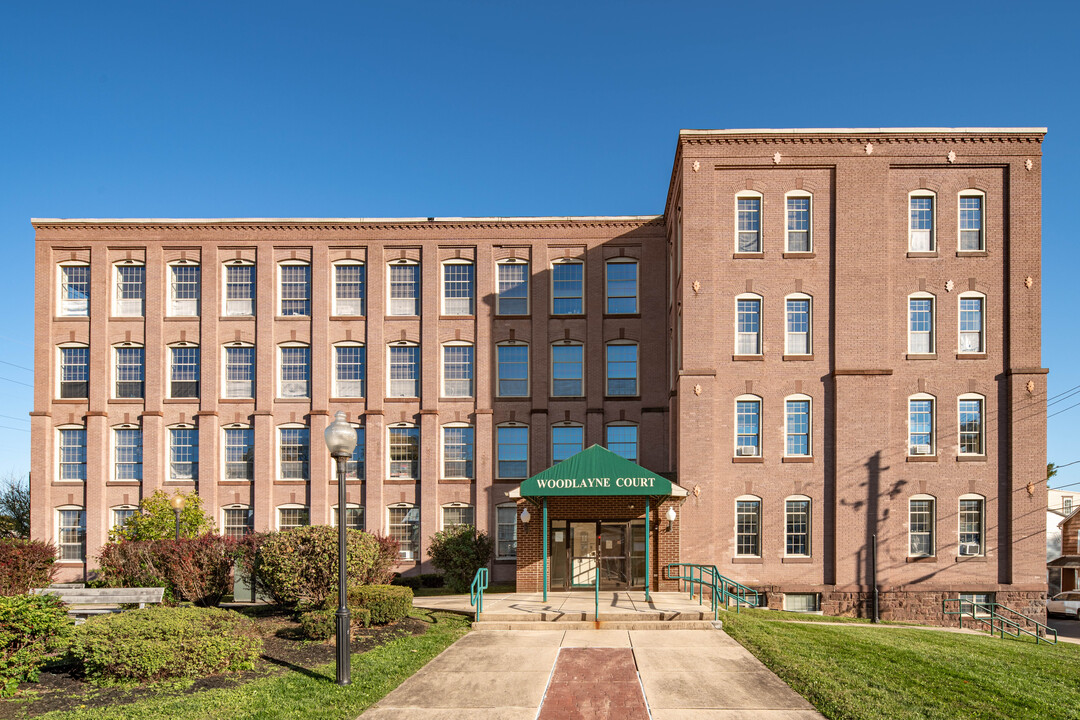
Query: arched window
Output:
(972,525)
(512,360)
(403,521)
(622,368)
(567,438)
(567,369)
(506,531)
(458,451)
(798,441)
(74,374)
(404,451)
(295,283)
(748,324)
(512,287)
(512,451)
(130,284)
(354,516)
(294,379)
(404,288)
(239,288)
(621,438)
(921,221)
(183,452)
(121,514)
(748,426)
(456,514)
(184,282)
(71,533)
(567,287)
(184,370)
(799,224)
(71,451)
(127,453)
(238,370)
(922,522)
(748,526)
(292,515)
(129,370)
(350,369)
(921,333)
(404,375)
(459,287)
(971,220)
(798,325)
(239,452)
(74,285)
(797,526)
(457,366)
(237,521)
(972,307)
(621,289)
(294,452)
(969,415)
(748,222)
(921,435)
(350,288)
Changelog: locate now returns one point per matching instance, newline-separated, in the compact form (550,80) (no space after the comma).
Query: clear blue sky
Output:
(271,109)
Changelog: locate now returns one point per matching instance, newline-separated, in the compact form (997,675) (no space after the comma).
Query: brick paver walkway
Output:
(594,684)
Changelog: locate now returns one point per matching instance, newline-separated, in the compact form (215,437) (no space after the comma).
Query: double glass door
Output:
(581,550)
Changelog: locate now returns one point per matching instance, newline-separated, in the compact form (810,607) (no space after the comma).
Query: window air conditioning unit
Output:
(969,548)
(920,449)
(747,450)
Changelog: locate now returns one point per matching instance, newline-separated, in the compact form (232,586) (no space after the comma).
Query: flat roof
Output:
(868,131)
(276,220)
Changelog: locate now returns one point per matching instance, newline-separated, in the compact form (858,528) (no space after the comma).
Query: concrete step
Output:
(563,616)
(601,625)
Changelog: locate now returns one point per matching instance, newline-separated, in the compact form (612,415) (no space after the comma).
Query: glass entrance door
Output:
(613,559)
(583,554)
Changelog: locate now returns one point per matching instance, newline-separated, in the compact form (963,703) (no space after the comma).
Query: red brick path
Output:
(594,684)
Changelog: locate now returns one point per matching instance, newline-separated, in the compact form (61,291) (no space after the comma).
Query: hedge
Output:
(30,625)
(198,570)
(25,564)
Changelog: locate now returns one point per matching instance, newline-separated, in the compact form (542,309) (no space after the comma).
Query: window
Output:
(239,521)
(921,223)
(970,417)
(292,517)
(72,534)
(921,526)
(74,290)
(457,370)
(623,440)
(295,372)
(801,602)
(349,287)
(130,290)
(184,371)
(972,509)
(971,324)
(355,467)
(404,523)
(921,324)
(129,372)
(748,425)
(797,526)
(513,287)
(512,451)
(183,453)
(797,426)
(121,514)
(748,325)
(513,362)
(748,219)
(748,527)
(921,425)
(622,287)
(128,445)
(239,453)
(456,515)
(74,372)
(506,532)
(239,290)
(1066,505)
(566,440)
(404,451)
(980,601)
(567,369)
(971,222)
(295,290)
(798,223)
(404,288)
(622,363)
(567,287)
(457,451)
(349,369)
(354,517)
(73,454)
(404,370)
(240,371)
(459,281)
(294,453)
(797,341)
(184,290)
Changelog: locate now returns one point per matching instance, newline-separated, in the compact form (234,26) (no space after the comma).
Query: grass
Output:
(859,672)
(300,693)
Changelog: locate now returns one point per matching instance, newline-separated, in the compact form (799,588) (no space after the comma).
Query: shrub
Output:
(386,603)
(459,552)
(426,580)
(301,565)
(161,643)
(25,564)
(29,626)
(321,624)
(156,520)
(194,569)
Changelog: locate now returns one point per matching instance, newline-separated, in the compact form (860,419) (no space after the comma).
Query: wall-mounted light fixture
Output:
(670,517)
(525,516)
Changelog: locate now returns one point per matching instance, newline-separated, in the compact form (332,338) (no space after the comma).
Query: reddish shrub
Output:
(25,564)
(382,568)
(198,570)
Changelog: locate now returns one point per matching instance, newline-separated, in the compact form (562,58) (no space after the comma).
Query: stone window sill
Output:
(922,254)
(921,356)
(923,559)
(747,358)
(971,458)
(800,560)
(748,256)
(970,356)
(799,255)
(790,358)
(746,561)
(797,459)
(747,459)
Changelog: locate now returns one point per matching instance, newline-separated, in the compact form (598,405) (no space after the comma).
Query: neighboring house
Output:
(1061,530)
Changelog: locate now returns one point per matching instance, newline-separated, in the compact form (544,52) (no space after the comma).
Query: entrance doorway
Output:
(581,549)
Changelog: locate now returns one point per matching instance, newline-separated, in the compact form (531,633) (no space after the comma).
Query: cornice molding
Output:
(274,225)
(879,141)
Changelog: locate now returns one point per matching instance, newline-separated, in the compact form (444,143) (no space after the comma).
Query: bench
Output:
(83,602)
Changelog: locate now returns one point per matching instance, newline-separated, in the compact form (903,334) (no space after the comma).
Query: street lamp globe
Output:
(340,436)
(177,502)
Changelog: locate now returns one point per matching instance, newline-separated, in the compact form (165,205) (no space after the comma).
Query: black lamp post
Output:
(177,503)
(340,441)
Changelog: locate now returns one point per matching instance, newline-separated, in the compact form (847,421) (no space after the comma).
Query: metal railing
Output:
(476,592)
(1001,620)
(721,589)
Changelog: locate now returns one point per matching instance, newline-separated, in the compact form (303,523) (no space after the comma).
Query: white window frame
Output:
(114,446)
(637,438)
(517,262)
(758,531)
(409,552)
(581,297)
(281,289)
(607,368)
(802,195)
(562,426)
(449,304)
(912,334)
(455,506)
(183,307)
(499,365)
(499,446)
(291,506)
(970,193)
(981,399)
(358,459)
(390,451)
(60,464)
(284,390)
(115,384)
(911,448)
(392,308)
(448,389)
(749,195)
(933,525)
(739,335)
(809,525)
(129,510)
(60,544)
(417,369)
(922,193)
(126,307)
(231,306)
(970,295)
(170,447)
(342,305)
(60,366)
(581,365)
(355,388)
(746,398)
(225,452)
(335,516)
(225,371)
(789,335)
(800,397)
(500,525)
(173,366)
(607,286)
(279,446)
(249,520)
(961,550)
(469,448)
(72,307)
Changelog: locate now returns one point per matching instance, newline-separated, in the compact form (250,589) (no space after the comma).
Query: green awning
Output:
(596,471)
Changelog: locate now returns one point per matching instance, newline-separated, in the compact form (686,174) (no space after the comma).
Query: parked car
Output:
(1066,603)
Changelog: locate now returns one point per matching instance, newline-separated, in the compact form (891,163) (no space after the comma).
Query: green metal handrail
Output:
(707,576)
(991,614)
(476,592)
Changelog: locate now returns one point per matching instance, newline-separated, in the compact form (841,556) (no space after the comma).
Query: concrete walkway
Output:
(506,675)
(625,606)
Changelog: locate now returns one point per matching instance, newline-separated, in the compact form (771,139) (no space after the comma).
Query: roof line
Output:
(417,220)
(867,131)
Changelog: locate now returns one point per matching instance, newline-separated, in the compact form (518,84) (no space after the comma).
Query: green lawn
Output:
(302,693)
(860,672)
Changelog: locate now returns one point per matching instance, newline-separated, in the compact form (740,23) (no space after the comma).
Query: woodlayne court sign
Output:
(596,471)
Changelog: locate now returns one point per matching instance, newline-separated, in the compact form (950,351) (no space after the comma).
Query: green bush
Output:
(156,520)
(322,624)
(459,552)
(30,625)
(162,643)
(386,603)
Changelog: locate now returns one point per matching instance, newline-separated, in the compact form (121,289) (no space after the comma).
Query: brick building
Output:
(828,335)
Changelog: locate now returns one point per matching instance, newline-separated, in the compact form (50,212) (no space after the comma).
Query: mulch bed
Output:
(284,649)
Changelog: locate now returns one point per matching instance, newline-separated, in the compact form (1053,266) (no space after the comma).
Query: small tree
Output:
(15,507)
(156,520)
(459,552)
